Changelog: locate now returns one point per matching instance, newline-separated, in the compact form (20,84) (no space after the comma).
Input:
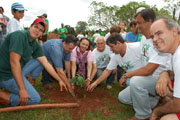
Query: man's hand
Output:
(87,82)
(71,91)
(23,97)
(91,87)
(62,85)
(114,71)
(162,84)
(122,81)
(154,115)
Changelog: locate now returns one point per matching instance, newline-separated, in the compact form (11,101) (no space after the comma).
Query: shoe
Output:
(109,87)
(31,80)
(47,86)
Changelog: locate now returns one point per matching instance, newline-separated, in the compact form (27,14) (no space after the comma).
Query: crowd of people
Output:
(145,60)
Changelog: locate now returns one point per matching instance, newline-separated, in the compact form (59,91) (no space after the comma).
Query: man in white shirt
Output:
(141,93)
(101,58)
(126,56)
(166,38)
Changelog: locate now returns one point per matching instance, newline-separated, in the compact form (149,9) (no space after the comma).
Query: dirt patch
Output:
(93,101)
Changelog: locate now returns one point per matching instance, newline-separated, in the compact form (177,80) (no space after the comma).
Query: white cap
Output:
(140,9)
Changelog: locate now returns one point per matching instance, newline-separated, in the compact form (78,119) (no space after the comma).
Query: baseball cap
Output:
(140,9)
(17,6)
(40,20)
(45,15)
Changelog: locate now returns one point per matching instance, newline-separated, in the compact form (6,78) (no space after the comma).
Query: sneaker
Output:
(109,87)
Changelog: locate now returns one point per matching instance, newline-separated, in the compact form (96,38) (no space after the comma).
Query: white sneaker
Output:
(109,87)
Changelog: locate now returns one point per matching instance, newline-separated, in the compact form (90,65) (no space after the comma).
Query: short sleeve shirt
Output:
(63,30)
(53,50)
(130,61)
(101,59)
(131,37)
(176,70)
(14,25)
(19,42)
(150,55)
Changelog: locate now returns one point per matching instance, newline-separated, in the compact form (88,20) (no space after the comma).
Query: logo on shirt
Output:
(102,59)
(145,50)
(127,65)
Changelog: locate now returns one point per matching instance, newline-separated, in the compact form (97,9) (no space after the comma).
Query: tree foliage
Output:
(70,30)
(103,16)
(55,30)
(81,26)
(172,7)
(127,12)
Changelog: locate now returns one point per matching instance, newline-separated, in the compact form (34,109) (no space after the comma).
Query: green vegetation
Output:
(78,80)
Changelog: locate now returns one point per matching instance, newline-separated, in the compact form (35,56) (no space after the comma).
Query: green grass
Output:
(63,114)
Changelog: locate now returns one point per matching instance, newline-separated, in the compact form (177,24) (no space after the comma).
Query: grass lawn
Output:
(110,111)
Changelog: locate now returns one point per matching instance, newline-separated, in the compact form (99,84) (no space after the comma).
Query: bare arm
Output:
(68,68)
(143,71)
(171,107)
(89,69)
(17,73)
(73,68)
(94,71)
(163,84)
(43,60)
(60,76)
(103,76)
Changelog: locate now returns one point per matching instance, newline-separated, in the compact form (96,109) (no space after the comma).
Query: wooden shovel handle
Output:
(20,108)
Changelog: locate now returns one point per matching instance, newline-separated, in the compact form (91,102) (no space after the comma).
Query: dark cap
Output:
(43,15)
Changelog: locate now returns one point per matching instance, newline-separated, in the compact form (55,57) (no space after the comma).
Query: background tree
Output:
(55,30)
(81,26)
(70,30)
(173,6)
(127,12)
(102,16)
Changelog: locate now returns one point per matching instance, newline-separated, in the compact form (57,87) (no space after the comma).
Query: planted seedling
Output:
(78,80)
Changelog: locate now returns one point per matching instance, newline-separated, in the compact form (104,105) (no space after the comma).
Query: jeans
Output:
(109,80)
(11,86)
(34,68)
(141,94)
(119,75)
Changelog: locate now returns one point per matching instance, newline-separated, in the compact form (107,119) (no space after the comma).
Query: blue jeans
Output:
(109,80)
(12,87)
(34,68)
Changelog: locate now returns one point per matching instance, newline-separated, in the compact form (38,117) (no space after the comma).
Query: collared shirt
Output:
(19,42)
(53,50)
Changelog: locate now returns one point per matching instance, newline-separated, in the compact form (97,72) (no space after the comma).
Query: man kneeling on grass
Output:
(16,50)
(126,56)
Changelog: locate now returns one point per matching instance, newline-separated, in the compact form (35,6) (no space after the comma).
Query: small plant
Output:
(78,80)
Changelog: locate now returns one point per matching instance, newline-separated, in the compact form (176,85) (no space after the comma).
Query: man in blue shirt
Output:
(58,52)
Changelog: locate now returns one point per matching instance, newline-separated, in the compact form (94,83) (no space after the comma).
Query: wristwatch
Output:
(125,77)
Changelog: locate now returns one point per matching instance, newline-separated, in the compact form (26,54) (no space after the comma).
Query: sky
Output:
(68,12)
